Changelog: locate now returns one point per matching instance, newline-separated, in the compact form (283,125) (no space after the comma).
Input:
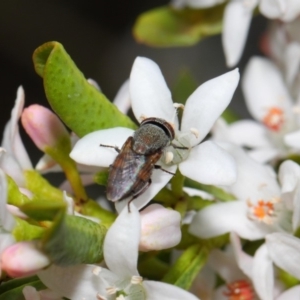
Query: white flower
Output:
(121,280)
(275,133)
(262,206)
(15,159)
(237,19)
(7,221)
(150,96)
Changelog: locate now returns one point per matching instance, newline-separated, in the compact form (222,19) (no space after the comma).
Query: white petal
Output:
(289,175)
(292,10)
(121,243)
(231,216)
(75,282)
(208,102)
(6,219)
(149,92)
(292,293)
(264,88)
(244,260)
(284,250)
(159,179)
(264,155)
(237,18)
(292,61)
(272,8)
(163,291)
(195,3)
(254,181)
(209,164)
(296,209)
(293,139)
(248,133)
(122,99)
(263,274)
(225,266)
(89,152)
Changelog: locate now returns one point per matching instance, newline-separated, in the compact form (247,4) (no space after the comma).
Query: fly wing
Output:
(124,172)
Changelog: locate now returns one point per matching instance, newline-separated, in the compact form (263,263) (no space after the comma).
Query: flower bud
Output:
(43,126)
(160,228)
(23,259)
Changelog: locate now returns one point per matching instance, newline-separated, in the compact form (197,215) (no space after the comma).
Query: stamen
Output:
(142,118)
(263,211)
(239,290)
(111,290)
(169,157)
(121,297)
(100,297)
(136,279)
(195,132)
(274,119)
(178,105)
(96,271)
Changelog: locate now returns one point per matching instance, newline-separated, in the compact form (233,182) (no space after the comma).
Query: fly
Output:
(130,173)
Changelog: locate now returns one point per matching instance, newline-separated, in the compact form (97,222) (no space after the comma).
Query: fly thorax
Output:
(149,139)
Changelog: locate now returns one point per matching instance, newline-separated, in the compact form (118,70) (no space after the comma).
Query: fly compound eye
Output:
(161,123)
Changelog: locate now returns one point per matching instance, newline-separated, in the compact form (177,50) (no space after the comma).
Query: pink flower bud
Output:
(43,126)
(160,228)
(23,259)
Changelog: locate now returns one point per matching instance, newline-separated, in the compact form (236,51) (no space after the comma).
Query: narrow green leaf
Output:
(187,267)
(168,27)
(81,106)
(12,289)
(43,211)
(24,231)
(213,190)
(14,196)
(74,240)
(41,188)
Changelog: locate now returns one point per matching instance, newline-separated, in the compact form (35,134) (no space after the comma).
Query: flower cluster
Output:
(225,213)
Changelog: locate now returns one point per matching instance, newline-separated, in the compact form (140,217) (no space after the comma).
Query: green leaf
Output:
(43,211)
(213,190)
(230,116)
(15,197)
(24,231)
(41,188)
(74,240)
(167,27)
(81,106)
(187,267)
(12,290)
(288,280)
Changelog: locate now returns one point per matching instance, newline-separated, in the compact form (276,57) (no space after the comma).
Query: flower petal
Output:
(292,139)
(292,293)
(231,216)
(264,155)
(88,151)
(159,179)
(121,243)
(149,92)
(272,9)
(237,18)
(264,88)
(289,175)
(207,103)
(122,100)
(209,164)
(75,282)
(163,291)
(7,221)
(284,249)
(263,274)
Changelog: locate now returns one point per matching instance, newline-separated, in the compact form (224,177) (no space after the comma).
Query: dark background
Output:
(97,35)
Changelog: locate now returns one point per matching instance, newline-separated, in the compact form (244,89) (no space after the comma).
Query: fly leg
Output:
(109,146)
(139,193)
(159,167)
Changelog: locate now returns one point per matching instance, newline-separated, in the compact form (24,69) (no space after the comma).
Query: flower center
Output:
(274,118)
(239,290)
(263,211)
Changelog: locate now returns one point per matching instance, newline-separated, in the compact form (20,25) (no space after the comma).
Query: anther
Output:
(96,271)
(169,157)
(136,279)
(111,290)
(195,132)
